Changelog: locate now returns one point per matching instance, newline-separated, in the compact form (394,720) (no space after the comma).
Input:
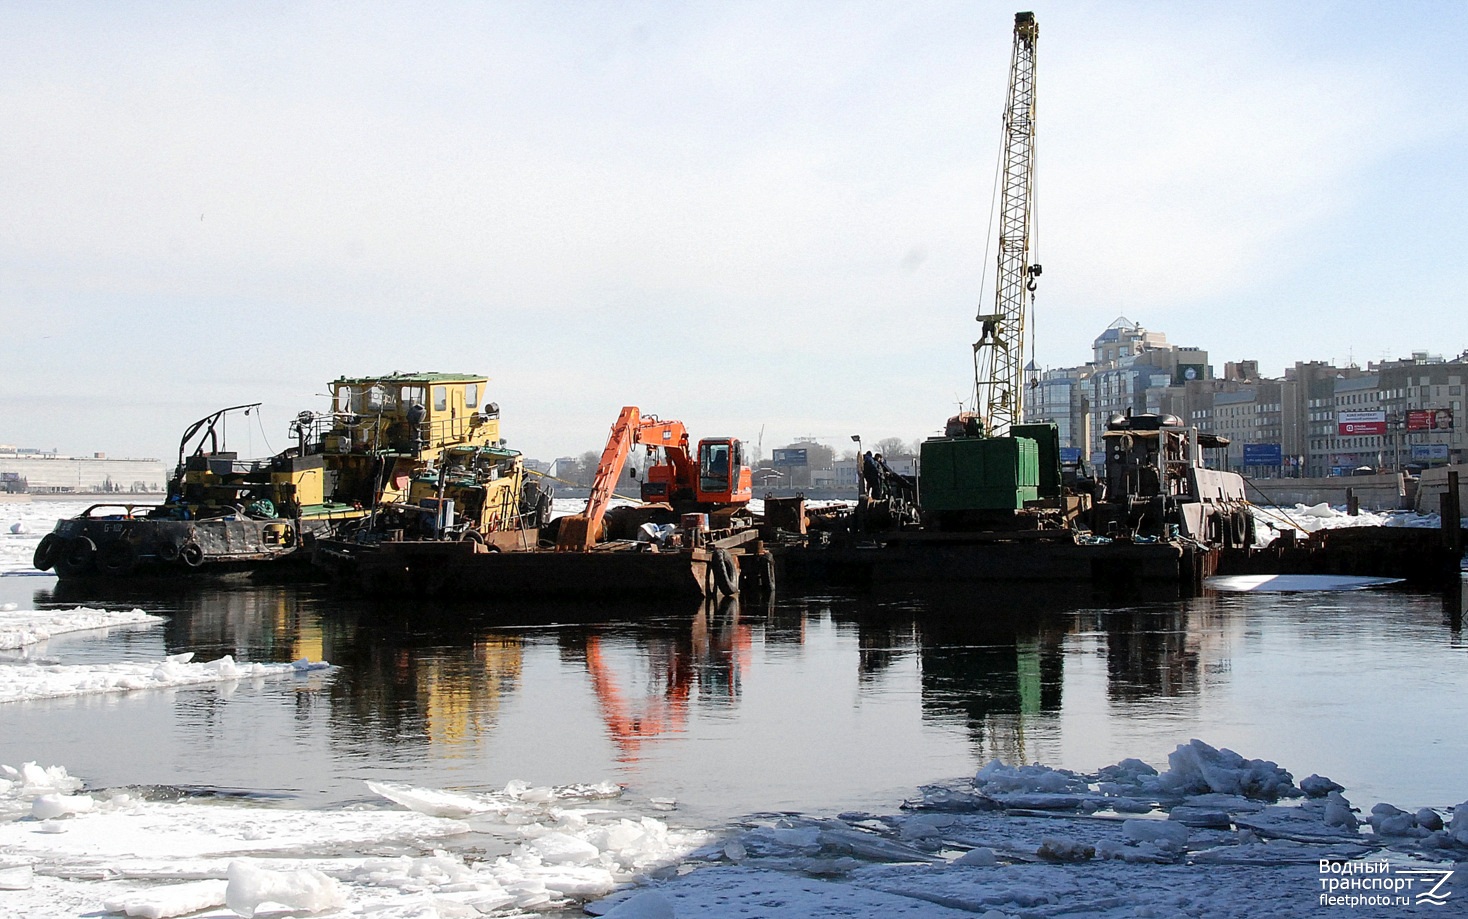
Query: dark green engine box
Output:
(978,474)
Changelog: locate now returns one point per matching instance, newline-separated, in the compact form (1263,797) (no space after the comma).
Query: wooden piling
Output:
(1452,516)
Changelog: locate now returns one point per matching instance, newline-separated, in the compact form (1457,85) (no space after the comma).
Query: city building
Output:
(37,472)
(1317,420)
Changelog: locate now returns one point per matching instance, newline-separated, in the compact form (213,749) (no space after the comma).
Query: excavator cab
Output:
(722,476)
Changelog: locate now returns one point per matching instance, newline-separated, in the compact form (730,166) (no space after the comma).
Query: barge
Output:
(691,536)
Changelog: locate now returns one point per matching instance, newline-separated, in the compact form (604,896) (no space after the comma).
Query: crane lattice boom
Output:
(999,352)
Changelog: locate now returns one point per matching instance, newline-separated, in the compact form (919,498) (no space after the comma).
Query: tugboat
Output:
(226,515)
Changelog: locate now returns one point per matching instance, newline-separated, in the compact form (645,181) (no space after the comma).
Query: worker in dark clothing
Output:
(871,475)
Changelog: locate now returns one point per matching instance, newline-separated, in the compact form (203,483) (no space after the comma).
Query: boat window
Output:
(713,461)
(369,399)
(412,394)
(471,395)
(440,398)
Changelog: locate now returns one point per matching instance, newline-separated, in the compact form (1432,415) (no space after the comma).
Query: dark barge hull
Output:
(463,570)
(1420,556)
(972,559)
(120,548)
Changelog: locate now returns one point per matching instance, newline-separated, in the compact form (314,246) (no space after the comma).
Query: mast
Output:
(999,352)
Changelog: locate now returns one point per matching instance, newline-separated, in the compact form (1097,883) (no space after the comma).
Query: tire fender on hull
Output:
(47,552)
(117,558)
(76,557)
(725,571)
(191,554)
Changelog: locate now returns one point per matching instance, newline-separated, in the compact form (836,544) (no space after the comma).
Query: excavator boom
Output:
(578,532)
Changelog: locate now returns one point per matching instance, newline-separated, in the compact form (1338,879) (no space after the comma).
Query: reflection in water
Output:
(1150,653)
(410,684)
(800,701)
(646,697)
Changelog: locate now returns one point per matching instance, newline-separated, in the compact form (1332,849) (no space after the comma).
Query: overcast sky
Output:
(756,217)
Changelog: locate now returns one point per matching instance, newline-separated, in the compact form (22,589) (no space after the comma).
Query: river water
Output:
(816,703)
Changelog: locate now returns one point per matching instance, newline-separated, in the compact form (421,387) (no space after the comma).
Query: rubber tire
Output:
(76,557)
(1239,522)
(766,572)
(725,571)
(191,554)
(117,559)
(168,550)
(46,552)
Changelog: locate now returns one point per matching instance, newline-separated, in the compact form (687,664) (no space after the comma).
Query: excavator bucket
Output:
(575,534)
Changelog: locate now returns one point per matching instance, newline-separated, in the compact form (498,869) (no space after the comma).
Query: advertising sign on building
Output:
(789,457)
(1351,424)
(1186,373)
(1429,452)
(1430,419)
(1263,455)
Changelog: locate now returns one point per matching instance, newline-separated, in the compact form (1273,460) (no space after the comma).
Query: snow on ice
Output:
(22,524)
(31,681)
(1307,519)
(1214,834)
(27,627)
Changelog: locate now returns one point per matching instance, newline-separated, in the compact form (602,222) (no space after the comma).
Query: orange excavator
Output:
(715,479)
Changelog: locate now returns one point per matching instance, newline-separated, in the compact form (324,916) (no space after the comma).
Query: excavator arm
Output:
(578,532)
(679,473)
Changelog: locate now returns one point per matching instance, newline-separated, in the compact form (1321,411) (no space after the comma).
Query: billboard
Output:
(1429,452)
(1356,423)
(790,456)
(1263,455)
(1430,419)
(1186,373)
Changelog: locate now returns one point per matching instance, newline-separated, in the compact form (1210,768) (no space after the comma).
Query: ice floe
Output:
(31,681)
(1223,835)
(524,848)
(19,628)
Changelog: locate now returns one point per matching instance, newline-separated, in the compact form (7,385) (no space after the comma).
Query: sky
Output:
(768,220)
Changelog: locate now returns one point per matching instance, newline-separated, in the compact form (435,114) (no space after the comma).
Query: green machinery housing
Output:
(986,477)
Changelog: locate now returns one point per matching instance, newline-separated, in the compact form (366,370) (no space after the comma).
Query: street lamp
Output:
(860,486)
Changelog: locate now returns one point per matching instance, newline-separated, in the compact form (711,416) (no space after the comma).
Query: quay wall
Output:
(1433,484)
(1374,492)
(84,475)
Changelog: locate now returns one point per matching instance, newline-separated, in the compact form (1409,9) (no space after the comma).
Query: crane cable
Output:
(1033,253)
(990,232)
